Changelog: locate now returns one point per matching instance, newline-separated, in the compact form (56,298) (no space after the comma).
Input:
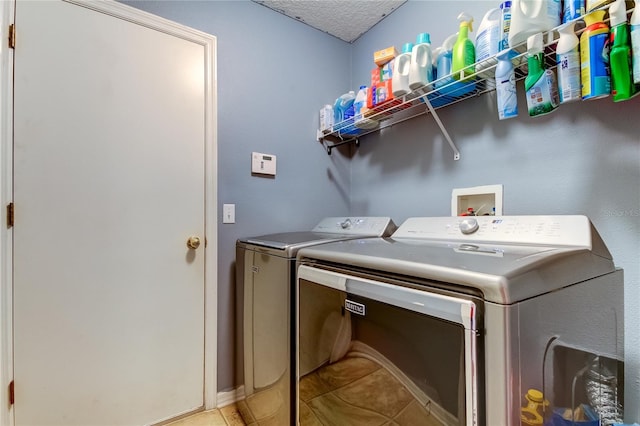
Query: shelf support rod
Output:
(456,153)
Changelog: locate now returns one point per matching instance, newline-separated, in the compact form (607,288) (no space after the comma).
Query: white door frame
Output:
(7,13)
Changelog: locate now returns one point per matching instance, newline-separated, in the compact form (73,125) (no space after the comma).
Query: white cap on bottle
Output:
(618,13)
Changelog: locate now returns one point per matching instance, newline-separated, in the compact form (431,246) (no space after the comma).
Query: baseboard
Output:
(230,397)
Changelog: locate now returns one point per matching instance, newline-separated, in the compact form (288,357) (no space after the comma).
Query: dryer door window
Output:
(374,352)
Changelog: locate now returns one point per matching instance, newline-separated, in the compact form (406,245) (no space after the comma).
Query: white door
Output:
(109,183)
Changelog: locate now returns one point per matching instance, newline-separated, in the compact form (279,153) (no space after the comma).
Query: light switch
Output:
(228,213)
(264,164)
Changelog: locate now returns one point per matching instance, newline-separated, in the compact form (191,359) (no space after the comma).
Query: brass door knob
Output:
(193,242)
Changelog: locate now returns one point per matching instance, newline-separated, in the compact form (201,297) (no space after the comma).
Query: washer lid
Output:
(505,272)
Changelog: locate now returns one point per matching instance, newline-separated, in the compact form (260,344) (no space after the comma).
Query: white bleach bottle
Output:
(401,68)
(420,70)
(529,17)
(568,64)
(488,38)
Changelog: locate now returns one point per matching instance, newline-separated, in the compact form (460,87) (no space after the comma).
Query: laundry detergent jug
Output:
(529,17)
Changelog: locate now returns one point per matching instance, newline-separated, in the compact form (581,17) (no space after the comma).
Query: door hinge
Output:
(10,215)
(12,395)
(12,36)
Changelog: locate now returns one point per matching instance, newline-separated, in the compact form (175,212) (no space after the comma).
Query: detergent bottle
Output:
(532,414)
(359,103)
(634,23)
(572,9)
(505,24)
(401,68)
(360,110)
(445,82)
(342,106)
(594,57)
(488,38)
(622,87)
(506,85)
(540,84)
(464,52)
(529,17)
(568,61)
(420,72)
(326,119)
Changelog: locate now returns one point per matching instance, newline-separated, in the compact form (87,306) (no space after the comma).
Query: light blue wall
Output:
(582,159)
(274,74)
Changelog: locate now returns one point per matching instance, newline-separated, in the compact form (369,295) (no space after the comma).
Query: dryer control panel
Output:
(369,226)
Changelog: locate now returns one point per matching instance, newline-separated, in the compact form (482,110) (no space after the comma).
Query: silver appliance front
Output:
(543,343)
(394,328)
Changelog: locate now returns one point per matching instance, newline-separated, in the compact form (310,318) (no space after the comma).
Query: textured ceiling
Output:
(345,19)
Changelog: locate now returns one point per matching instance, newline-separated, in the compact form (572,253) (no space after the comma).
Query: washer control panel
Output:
(542,230)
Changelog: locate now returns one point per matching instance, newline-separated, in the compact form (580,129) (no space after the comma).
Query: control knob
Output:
(469,226)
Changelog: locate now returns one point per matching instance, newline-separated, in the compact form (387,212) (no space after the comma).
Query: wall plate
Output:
(482,199)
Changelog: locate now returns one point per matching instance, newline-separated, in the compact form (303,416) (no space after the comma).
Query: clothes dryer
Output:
(265,278)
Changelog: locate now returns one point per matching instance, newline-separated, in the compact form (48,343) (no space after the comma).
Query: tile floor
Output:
(354,388)
(225,416)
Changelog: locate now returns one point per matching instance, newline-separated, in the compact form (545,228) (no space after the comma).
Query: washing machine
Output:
(265,277)
(513,320)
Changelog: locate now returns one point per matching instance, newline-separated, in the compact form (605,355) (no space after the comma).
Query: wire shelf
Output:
(443,92)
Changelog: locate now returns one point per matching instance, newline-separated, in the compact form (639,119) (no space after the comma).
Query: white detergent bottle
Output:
(488,38)
(506,85)
(634,28)
(360,110)
(529,17)
(401,68)
(420,70)
(568,61)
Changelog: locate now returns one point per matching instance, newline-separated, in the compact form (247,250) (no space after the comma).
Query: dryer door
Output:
(375,351)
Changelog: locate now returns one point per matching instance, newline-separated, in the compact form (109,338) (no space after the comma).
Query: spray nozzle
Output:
(618,13)
(466,20)
(535,44)
(567,28)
